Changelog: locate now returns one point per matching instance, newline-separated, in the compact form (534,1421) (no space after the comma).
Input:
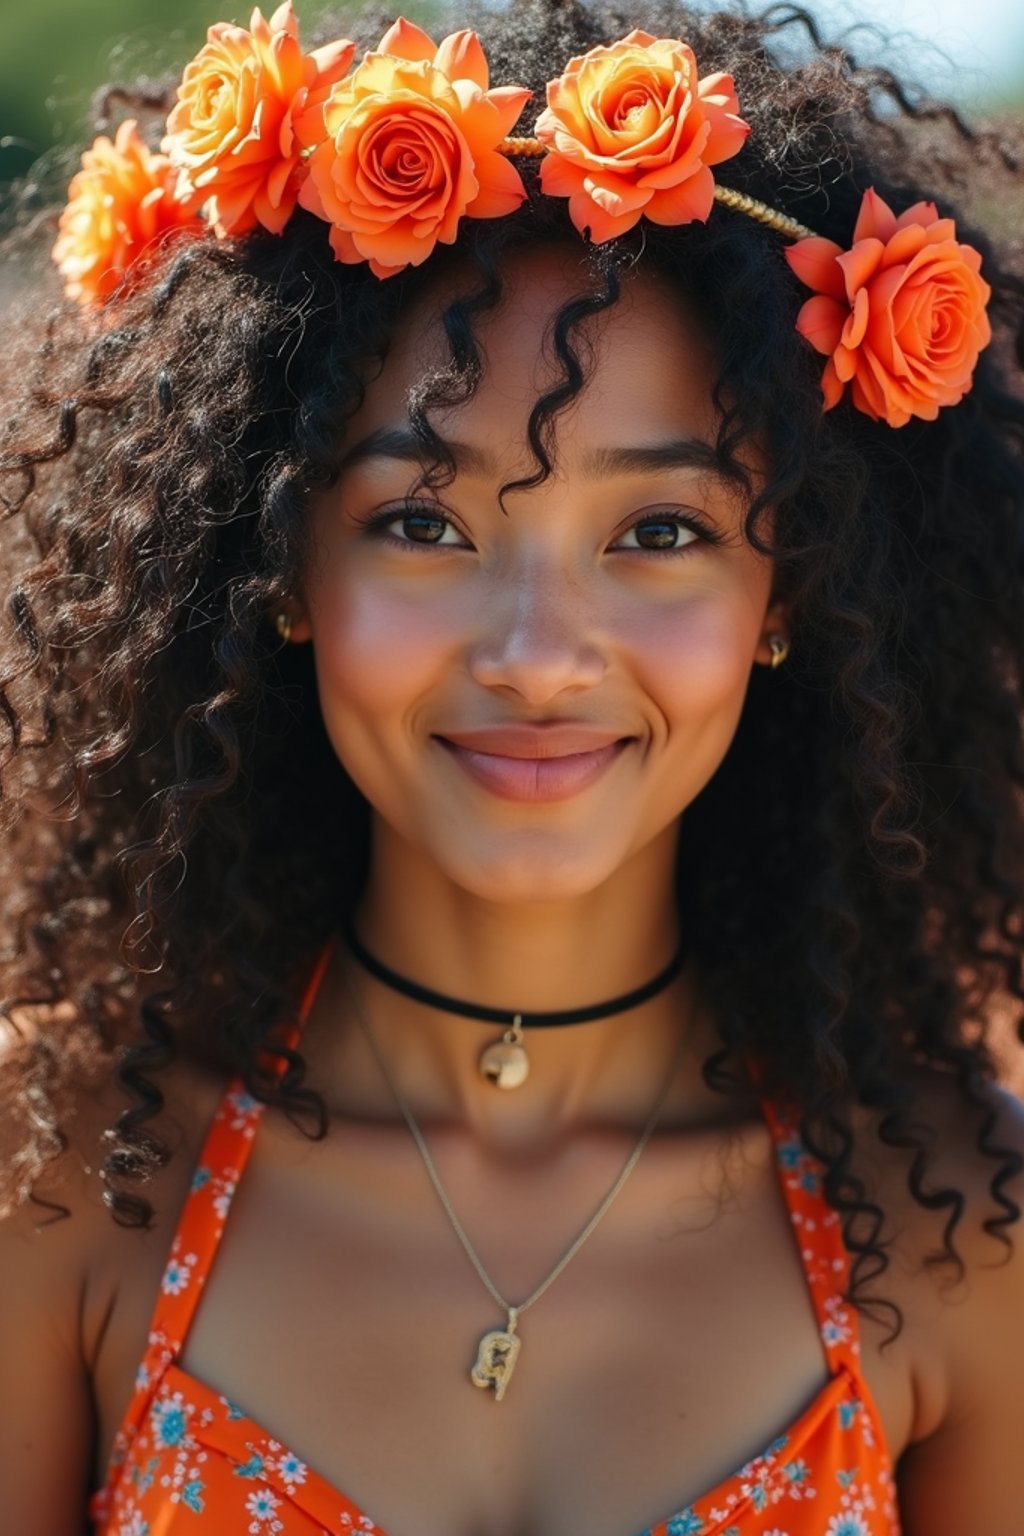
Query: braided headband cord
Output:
(751,206)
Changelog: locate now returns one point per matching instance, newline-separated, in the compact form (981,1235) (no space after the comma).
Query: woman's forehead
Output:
(647,364)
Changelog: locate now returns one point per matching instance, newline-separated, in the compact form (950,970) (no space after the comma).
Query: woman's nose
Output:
(537,639)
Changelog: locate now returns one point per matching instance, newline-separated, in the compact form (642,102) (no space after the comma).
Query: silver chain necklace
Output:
(499,1348)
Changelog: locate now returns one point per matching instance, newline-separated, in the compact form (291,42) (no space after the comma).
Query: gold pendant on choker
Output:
(505,1063)
(496,1357)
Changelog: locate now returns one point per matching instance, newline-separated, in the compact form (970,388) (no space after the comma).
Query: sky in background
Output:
(984,39)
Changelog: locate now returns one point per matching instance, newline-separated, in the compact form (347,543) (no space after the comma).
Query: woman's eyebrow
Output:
(655,458)
(400,442)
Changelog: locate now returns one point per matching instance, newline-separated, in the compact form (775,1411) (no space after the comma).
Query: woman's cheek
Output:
(378,651)
(695,659)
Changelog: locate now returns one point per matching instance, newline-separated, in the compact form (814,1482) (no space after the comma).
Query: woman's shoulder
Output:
(66,1268)
(953,1238)
(62,1226)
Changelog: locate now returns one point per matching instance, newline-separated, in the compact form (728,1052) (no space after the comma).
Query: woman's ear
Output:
(292,622)
(774,643)
(302,629)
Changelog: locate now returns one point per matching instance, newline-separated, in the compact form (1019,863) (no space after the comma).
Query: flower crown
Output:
(393,155)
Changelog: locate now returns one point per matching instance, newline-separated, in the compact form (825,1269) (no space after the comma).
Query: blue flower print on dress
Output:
(290,1469)
(254,1467)
(848,1413)
(178,1275)
(685,1524)
(200,1179)
(141,1478)
(192,1496)
(169,1418)
(846,1525)
(262,1507)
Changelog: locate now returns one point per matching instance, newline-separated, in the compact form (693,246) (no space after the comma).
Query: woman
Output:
(515,701)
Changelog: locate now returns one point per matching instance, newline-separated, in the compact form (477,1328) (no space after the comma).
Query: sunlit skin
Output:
(444,614)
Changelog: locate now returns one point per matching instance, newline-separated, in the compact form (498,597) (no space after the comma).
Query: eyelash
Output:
(377,523)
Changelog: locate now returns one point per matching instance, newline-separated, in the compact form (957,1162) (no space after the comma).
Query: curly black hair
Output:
(180,835)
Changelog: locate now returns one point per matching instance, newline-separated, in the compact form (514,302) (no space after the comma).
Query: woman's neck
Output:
(527,957)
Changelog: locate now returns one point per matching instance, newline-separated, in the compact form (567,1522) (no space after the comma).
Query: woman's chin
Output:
(535,869)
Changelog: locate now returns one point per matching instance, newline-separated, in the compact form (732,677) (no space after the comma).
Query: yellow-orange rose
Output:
(412,148)
(631,131)
(900,316)
(121,204)
(249,105)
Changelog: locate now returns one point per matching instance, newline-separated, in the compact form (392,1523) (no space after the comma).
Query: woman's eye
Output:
(420,525)
(666,532)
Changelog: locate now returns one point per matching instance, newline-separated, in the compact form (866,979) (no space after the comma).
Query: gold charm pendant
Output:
(496,1357)
(505,1063)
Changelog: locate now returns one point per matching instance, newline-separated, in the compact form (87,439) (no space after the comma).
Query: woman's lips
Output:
(535,777)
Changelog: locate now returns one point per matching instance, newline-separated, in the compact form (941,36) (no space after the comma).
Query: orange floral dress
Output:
(187,1460)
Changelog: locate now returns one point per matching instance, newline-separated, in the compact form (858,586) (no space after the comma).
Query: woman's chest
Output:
(345,1320)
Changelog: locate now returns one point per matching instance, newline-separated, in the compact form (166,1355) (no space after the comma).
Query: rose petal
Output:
(405,40)
(832,386)
(820,322)
(691,201)
(309,196)
(283,19)
(485,121)
(857,322)
(924,213)
(615,196)
(876,220)
(860,264)
(508,101)
(501,188)
(460,57)
(844,362)
(720,89)
(814,260)
(587,216)
(333,59)
(905,243)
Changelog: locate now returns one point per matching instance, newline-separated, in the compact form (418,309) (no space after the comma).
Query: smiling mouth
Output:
(541,776)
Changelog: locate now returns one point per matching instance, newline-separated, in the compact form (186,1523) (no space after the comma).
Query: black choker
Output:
(505,1062)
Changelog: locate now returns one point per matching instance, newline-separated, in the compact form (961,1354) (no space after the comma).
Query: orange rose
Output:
(248,105)
(631,131)
(900,316)
(412,148)
(120,204)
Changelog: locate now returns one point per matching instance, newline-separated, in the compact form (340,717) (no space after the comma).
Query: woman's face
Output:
(529,698)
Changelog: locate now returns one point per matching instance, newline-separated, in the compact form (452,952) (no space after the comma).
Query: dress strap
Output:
(226,1151)
(819,1235)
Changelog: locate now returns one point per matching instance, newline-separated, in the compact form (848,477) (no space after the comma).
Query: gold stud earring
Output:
(779,647)
(283,624)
